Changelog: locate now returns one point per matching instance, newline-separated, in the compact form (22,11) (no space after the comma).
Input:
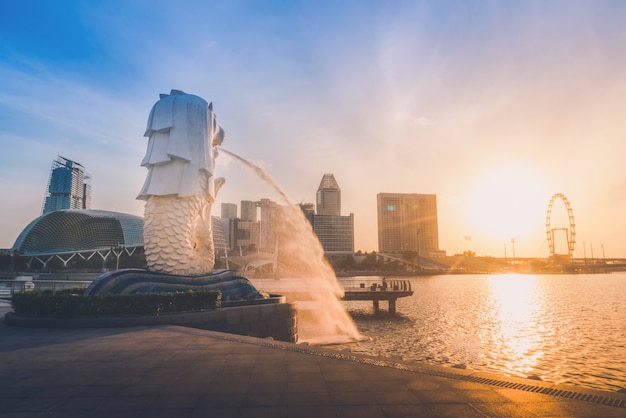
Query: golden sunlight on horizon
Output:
(505,203)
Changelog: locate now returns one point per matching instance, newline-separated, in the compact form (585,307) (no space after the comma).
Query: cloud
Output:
(412,120)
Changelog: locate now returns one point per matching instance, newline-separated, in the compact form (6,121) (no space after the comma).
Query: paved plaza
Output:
(172,371)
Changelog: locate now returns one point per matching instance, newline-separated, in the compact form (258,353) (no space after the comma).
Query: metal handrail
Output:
(9,287)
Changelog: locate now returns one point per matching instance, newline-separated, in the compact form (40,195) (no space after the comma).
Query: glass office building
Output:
(407,222)
(328,196)
(335,233)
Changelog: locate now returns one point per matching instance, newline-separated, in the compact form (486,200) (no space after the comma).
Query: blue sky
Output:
(493,106)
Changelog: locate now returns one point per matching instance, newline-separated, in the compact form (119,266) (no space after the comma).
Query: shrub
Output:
(68,303)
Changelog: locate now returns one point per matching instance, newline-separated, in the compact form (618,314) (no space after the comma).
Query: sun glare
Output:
(515,308)
(506,203)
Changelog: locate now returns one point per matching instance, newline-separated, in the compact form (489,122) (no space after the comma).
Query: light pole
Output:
(603,258)
(419,266)
(513,244)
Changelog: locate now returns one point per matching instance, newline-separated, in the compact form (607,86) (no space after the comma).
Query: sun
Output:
(505,203)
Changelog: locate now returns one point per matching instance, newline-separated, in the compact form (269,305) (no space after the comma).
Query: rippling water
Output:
(561,328)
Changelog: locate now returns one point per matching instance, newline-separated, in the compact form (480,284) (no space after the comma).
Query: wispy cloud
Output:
(411,97)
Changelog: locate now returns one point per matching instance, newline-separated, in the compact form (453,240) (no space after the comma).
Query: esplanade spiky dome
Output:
(74,230)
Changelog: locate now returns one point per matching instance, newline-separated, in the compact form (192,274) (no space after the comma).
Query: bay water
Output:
(559,328)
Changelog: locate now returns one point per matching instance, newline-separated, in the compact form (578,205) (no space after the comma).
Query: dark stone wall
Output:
(276,320)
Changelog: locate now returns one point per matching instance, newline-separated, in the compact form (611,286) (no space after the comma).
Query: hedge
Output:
(72,303)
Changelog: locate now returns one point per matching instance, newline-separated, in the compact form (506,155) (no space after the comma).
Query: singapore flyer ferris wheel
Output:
(570,233)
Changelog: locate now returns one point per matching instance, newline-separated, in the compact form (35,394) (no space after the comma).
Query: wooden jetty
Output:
(390,291)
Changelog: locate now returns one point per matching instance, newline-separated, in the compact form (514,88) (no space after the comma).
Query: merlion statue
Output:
(179,193)
(180,187)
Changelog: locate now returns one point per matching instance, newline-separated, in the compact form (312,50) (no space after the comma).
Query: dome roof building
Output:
(79,230)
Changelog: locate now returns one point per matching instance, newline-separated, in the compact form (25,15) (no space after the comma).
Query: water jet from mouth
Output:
(302,273)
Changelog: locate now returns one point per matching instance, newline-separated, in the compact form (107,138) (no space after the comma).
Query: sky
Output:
(494,106)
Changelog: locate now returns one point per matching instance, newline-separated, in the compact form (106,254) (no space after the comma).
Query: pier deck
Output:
(375,292)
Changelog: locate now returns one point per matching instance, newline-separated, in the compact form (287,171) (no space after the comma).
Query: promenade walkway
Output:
(171,371)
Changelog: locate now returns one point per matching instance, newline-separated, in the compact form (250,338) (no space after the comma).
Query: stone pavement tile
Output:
(312,411)
(342,370)
(222,412)
(217,388)
(267,376)
(27,404)
(302,365)
(561,408)
(75,405)
(62,391)
(523,396)
(160,373)
(256,412)
(266,394)
(420,382)
(439,396)
(176,402)
(135,413)
(8,389)
(362,385)
(305,382)
(129,403)
(455,410)
(360,411)
(256,399)
(160,413)
(100,391)
(404,411)
(503,409)
(546,405)
(308,399)
(485,394)
(222,400)
(268,363)
(394,396)
(145,389)
(360,398)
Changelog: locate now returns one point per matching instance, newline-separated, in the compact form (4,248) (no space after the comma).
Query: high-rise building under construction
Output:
(68,187)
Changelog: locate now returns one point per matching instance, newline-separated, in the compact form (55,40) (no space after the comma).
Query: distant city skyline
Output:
(334,231)
(492,106)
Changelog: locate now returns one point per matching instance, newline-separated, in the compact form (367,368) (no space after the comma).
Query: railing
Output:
(375,284)
(9,287)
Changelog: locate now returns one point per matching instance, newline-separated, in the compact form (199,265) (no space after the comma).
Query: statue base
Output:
(232,286)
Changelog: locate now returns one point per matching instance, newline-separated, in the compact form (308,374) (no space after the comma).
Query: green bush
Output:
(71,303)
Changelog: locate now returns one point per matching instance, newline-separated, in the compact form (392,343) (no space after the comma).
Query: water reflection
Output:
(515,308)
(562,328)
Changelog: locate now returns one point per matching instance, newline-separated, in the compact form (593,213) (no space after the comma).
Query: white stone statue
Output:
(180,188)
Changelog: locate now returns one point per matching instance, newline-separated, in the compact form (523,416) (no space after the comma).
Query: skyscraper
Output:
(328,196)
(271,213)
(335,232)
(407,222)
(248,211)
(68,187)
(229,210)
